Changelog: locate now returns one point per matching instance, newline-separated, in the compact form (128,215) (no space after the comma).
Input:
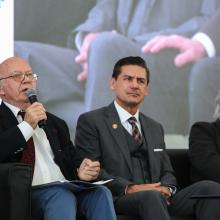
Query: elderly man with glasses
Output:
(49,151)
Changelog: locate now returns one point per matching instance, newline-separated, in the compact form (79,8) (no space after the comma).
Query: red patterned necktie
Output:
(28,155)
(135,131)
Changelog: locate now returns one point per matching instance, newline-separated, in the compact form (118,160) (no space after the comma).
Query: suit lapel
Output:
(52,135)
(116,129)
(146,130)
(7,117)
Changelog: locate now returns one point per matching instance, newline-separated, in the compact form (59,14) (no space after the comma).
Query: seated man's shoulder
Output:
(151,121)
(204,127)
(94,114)
(54,118)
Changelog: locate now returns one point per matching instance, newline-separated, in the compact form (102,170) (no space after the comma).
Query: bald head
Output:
(12,89)
(12,64)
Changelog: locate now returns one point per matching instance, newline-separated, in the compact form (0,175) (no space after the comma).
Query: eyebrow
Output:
(126,75)
(20,71)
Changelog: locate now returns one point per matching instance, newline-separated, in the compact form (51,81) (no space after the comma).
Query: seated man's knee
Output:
(62,194)
(104,192)
(151,196)
(208,187)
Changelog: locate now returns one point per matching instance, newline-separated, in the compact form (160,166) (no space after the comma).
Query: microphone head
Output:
(32,96)
(30,92)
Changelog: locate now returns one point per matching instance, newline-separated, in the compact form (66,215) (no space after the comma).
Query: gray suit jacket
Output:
(100,136)
(142,20)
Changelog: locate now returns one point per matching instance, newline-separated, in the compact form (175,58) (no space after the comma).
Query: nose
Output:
(134,83)
(25,78)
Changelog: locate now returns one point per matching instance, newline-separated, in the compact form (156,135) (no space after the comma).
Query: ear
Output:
(146,91)
(112,84)
(1,91)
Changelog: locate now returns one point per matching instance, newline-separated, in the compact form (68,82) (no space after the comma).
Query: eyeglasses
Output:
(19,76)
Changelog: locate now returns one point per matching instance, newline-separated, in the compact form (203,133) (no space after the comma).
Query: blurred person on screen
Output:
(204,43)
(202,50)
(117,28)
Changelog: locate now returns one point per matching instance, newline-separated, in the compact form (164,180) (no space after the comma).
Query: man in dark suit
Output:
(49,151)
(130,147)
(204,148)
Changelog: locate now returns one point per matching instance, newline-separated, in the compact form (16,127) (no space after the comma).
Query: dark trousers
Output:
(146,205)
(203,209)
(151,205)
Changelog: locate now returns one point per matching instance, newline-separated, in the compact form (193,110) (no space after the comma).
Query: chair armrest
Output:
(15,191)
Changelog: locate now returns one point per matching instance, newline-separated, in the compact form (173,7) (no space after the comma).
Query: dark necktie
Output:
(28,155)
(135,131)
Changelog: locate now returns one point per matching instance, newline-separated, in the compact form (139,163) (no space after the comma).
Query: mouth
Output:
(133,94)
(23,90)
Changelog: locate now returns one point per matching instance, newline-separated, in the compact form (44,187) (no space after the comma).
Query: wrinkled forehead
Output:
(13,64)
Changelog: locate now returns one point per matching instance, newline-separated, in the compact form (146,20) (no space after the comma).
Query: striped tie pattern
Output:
(135,131)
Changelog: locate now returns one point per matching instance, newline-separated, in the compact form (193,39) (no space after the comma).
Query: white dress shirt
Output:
(45,169)
(124,116)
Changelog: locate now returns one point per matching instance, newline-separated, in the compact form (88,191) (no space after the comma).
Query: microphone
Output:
(32,96)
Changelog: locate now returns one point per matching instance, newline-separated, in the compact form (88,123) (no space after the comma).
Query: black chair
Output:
(15,187)
(15,192)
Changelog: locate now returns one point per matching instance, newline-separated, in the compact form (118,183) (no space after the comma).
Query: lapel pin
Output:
(114,126)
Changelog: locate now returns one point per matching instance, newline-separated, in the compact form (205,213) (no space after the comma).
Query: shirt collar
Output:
(123,114)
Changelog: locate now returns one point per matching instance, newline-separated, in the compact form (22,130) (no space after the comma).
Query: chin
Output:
(133,103)
(135,100)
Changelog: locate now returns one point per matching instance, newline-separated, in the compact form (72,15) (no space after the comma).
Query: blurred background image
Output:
(72,45)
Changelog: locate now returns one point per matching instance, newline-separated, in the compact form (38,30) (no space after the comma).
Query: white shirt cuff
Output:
(79,39)
(206,41)
(26,130)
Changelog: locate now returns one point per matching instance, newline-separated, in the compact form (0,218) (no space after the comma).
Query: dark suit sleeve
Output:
(88,145)
(62,146)
(168,178)
(204,151)
(161,159)
(11,143)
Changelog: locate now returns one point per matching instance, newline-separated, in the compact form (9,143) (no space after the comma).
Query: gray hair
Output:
(216,114)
